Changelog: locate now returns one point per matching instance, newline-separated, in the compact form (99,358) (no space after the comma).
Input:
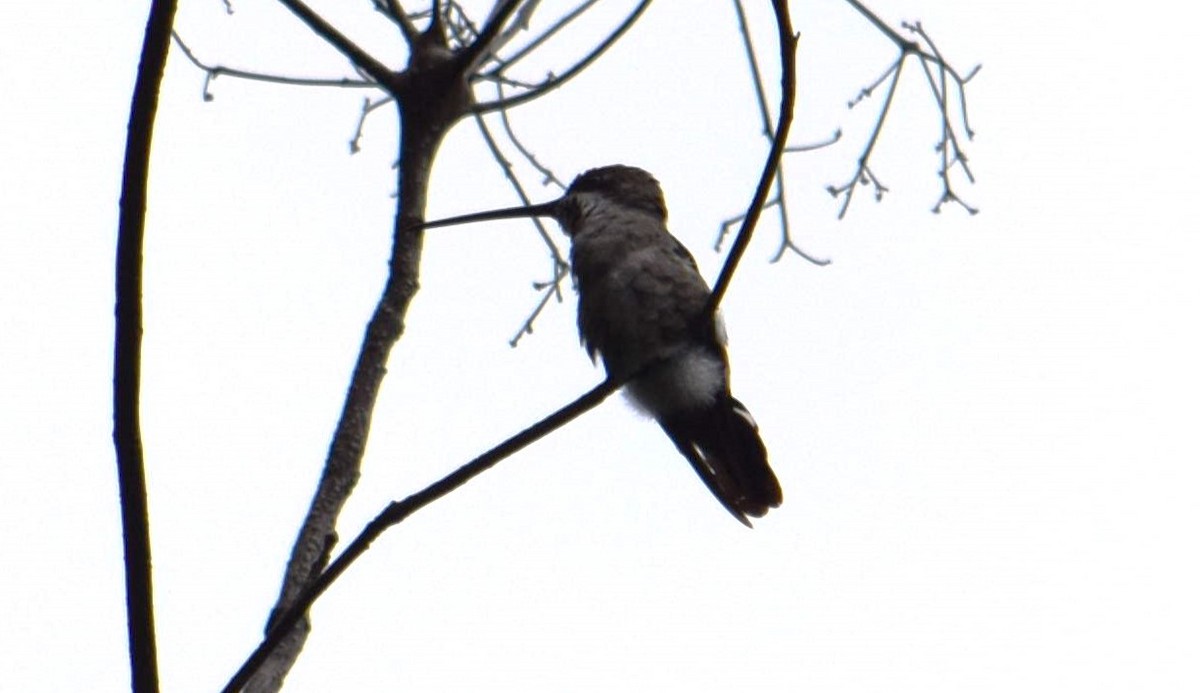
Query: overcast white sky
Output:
(984,426)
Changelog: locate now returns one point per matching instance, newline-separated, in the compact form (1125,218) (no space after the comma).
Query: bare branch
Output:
(945,69)
(785,237)
(483,46)
(787,101)
(214,71)
(760,93)
(378,71)
(906,46)
(459,26)
(948,146)
(563,22)
(548,176)
(550,289)
(863,174)
(397,512)
(393,11)
(780,199)
(832,140)
(367,108)
(559,264)
(127,351)
(556,82)
(506,166)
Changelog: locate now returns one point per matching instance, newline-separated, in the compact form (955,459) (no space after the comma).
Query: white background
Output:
(984,425)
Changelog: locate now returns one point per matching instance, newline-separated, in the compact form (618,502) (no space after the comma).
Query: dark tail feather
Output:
(723,446)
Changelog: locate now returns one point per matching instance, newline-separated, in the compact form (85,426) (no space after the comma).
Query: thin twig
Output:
(214,71)
(548,176)
(552,287)
(549,289)
(556,82)
(832,140)
(948,146)
(863,174)
(458,26)
(507,167)
(506,63)
(367,107)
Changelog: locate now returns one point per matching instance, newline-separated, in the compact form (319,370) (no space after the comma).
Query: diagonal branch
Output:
(882,26)
(397,512)
(377,70)
(478,51)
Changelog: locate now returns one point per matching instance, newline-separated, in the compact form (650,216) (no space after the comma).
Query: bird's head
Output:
(626,186)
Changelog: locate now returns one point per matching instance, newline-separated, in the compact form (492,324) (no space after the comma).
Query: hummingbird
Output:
(643,311)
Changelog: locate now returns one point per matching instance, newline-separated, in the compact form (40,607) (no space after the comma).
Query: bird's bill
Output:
(546,209)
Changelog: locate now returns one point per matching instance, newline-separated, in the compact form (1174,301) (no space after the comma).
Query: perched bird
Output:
(643,311)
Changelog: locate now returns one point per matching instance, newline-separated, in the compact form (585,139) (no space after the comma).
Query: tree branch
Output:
(551,288)
(787,101)
(397,512)
(882,26)
(478,51)
(377,70)
(780,199)
(214,71)
(863,174)
(539,40)
(393,10)
(127,351)
(556,82)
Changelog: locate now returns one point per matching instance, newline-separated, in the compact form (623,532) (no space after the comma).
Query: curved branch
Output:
(127,350)
(764,111)
(787,58)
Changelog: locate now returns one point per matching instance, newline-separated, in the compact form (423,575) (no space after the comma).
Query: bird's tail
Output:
(722,443)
